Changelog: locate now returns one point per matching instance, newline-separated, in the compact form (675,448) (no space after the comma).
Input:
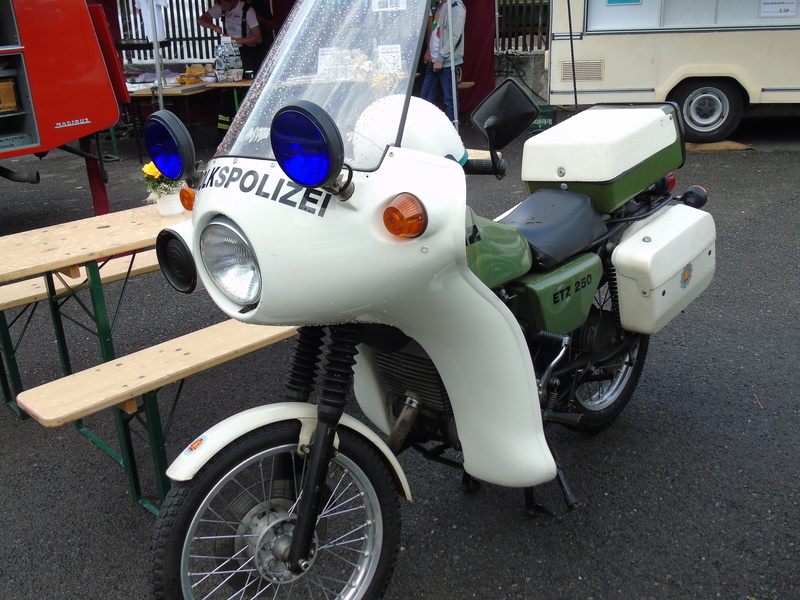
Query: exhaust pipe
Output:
(29,177)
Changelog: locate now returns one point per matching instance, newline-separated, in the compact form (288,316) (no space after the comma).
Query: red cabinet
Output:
(54,85)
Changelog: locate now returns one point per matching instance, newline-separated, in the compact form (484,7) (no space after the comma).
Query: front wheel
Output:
(225,533)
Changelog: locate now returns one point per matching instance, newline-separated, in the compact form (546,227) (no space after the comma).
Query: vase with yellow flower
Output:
(165,192)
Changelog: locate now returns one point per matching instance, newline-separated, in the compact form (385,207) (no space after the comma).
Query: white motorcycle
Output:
(337,203)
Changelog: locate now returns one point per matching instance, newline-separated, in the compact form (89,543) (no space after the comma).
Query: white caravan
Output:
(712,57)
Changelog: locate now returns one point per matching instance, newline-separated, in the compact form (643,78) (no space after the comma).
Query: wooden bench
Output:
(119,382)
(33,290)
(66,282)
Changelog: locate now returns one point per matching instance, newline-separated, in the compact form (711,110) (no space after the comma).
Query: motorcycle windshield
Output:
(343,55)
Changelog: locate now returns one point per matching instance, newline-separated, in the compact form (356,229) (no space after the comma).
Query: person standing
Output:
(239,21)
(446,24)
(266,23)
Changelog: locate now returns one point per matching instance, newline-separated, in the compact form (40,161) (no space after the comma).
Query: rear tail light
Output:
(671,180)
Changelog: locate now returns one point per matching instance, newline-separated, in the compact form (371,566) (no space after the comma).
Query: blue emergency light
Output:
(169,144)
(307,144)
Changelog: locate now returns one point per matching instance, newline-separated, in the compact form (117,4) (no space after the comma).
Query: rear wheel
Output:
(226,533)
(711,109)
(615,358)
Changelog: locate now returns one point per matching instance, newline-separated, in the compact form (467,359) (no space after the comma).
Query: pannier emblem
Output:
(686,276)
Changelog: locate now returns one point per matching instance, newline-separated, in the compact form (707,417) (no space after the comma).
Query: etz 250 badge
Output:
(566,292)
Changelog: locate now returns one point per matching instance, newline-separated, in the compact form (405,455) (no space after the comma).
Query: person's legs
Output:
(447,91)
(446,83)
(430,85)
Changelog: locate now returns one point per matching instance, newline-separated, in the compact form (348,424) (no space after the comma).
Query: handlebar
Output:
(483,166)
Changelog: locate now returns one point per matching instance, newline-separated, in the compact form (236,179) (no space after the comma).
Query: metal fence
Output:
(188,42)
(522,25)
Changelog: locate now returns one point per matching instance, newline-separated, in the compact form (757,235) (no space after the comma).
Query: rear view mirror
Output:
(505,113)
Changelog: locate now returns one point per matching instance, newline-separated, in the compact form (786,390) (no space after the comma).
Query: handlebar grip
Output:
(478,166)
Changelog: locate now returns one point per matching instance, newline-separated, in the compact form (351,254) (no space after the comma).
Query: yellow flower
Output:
(158,183)
(151,169)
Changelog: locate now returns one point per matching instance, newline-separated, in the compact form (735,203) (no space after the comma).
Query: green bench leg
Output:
(155,434)
(126,457)
(148,413)
(10,379)
(58,325)
(100,312)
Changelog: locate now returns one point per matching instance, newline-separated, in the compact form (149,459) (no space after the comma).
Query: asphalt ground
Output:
(692,494)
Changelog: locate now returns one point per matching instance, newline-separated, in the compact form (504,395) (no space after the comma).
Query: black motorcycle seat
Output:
(557,224)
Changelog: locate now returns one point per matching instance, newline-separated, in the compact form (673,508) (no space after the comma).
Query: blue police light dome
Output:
(169,144)
(307,144)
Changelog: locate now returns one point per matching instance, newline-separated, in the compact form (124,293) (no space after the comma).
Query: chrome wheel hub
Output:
(268,539)
(706,109)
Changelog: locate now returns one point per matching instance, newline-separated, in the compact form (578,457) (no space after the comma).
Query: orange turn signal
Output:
(187,195)
(405,216)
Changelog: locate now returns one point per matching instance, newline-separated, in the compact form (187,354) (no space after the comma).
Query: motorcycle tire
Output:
(601,392)
(219,535)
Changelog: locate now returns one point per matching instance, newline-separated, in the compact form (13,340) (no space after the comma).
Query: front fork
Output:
(336,382)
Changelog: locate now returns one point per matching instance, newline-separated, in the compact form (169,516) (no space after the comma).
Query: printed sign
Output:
(381,5)
(778,8)
(389,59)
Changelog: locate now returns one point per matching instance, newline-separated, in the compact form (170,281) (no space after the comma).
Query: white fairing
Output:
(483,360)
(325,261)
(287,255)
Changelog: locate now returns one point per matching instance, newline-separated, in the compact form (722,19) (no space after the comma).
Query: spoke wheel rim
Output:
(599,395)
(246,561)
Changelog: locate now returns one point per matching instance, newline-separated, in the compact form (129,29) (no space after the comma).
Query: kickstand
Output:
(469,484)
(532,509)
(570,499)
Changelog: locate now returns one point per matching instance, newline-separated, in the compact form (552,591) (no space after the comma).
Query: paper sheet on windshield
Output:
(379,5)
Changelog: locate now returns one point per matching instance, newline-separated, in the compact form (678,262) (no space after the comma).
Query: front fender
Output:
(205,447)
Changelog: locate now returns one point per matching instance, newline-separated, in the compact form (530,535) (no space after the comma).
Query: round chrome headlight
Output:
(229,260)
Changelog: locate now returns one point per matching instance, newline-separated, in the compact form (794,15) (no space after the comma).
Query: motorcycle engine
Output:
(409,371)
